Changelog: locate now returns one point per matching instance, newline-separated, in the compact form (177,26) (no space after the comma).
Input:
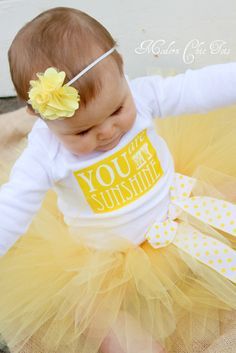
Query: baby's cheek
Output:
(131,119)
(83,146)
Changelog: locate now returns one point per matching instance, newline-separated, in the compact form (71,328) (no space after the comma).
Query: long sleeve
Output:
(22,196)
(195,91)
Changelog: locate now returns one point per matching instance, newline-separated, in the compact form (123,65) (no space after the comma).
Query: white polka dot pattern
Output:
(206,249)
(162,233)
(218,213)
(180,188)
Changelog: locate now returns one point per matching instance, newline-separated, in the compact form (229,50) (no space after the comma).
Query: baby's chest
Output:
(117,180)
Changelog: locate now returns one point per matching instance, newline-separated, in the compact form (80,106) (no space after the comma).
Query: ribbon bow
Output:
(215,212)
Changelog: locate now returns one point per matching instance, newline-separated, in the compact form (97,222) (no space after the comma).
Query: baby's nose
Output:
(106,131)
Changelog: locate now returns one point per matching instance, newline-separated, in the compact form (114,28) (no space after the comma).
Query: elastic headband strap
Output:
(90,66)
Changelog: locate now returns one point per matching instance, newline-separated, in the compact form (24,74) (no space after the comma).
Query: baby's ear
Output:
(30,110)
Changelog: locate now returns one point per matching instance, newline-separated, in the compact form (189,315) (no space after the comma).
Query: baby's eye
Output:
(118,110)
(83,132)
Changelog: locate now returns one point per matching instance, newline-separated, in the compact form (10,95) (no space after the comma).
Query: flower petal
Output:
(50,98)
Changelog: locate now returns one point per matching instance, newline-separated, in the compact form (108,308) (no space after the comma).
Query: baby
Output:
(96,146)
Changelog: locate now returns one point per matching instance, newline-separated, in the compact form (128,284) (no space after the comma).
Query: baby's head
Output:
(69,40)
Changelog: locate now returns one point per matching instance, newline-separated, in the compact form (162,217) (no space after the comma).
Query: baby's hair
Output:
(67,39)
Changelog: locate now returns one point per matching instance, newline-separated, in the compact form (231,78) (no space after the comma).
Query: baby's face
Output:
(99,126)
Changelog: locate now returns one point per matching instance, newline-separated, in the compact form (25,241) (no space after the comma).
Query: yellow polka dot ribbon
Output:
(217,213)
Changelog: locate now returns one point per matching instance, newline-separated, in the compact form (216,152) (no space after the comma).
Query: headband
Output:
(53,100)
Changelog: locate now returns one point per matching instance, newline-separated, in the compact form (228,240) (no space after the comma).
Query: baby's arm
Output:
(195,91)
(22,196)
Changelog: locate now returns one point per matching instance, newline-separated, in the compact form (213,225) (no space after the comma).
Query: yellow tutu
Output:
(58,295)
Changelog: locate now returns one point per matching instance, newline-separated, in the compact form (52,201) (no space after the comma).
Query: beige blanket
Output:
(14,128)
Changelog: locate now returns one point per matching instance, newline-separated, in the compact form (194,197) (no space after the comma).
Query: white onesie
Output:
(121,191)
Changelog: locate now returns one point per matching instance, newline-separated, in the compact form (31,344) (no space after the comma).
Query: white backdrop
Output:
(154,36)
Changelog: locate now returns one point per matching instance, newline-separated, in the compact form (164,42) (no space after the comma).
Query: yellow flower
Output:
(50,98)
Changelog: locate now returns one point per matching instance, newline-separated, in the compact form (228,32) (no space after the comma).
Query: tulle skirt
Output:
(59,295)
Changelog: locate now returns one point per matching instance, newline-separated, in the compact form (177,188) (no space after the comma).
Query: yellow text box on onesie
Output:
(121,178)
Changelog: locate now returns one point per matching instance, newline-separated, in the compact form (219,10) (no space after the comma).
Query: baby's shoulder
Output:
(144,91)
(42,137)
